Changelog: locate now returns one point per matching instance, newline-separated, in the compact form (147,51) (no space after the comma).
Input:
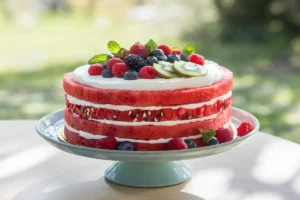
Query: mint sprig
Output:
(207,135)
(150,46)
(113,46)
(188,50)
(101,59)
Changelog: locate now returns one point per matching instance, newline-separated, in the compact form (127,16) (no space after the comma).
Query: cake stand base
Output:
(148,174)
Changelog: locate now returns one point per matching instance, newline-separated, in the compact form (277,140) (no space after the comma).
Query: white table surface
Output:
(265,168)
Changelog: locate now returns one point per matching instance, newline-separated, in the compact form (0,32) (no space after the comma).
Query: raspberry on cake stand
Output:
(142,168)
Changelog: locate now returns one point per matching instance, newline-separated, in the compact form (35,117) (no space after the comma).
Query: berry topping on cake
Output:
(107,143)
(162,58)
(213,141)
(190,143)
(184,58)
(107,73)
(126,146)
(172,58)
(135,62)
(139,49)
(119,69)
(198,59)
(151,60)
(166,49)
(165,69)
(189,69)
(177,144)
(95,70)
(110,63)
(208,135)
(147,72)
(176,51)
(224,135)
(244,129)
(158,52)
(131,75)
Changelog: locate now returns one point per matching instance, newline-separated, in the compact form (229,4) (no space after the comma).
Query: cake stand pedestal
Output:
(142,168)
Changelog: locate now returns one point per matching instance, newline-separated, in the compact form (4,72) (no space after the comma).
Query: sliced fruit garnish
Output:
(165,70)
(189,69)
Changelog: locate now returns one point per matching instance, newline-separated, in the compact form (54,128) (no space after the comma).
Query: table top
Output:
(264,168)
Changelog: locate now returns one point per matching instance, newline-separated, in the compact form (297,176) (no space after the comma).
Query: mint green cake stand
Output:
(142,168)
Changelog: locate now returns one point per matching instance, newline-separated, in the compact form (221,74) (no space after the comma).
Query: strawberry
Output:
(119,69)
(224,135)
(107,143)
(147,72)
(166,49)
(95,69)
(244,129)
(198,59)
(113,61)
(177,144)
(139,49)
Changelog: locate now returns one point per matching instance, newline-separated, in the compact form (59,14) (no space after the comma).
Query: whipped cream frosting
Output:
(215,74)
(81,102)
(161,140)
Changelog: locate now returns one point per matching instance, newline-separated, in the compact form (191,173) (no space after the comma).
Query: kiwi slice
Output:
(189,69)
(165,69)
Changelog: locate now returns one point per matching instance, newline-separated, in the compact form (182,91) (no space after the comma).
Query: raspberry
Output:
(177,51)
(195,58)
(147,72)
(95,70)
(113,61)
(177,144)
(107,143)
(244,129)
(139,49)
(166,49)
(119,69)
(224,135)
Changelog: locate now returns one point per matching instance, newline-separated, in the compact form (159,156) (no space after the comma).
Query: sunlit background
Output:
(40,40)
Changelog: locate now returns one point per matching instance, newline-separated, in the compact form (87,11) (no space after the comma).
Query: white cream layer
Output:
(144,123)
(215,74)
(77,101)
(87,135)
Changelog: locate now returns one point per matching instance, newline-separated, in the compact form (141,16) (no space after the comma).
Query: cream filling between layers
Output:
(80,102)
(215,73)
(87,135)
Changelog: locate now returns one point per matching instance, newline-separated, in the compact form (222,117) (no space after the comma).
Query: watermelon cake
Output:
(150,97)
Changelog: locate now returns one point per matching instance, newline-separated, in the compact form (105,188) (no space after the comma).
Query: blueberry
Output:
(172,57)
(107,73)
(126,146)
(104,65)
(109,57)
(162,58)
(184,57)
(151,60)
(190,143)
(213,141)
(131,75)
(158,52)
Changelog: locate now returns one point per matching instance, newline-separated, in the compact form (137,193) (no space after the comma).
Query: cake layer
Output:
(146,132)
(148,98)
(75,138)
(148,117)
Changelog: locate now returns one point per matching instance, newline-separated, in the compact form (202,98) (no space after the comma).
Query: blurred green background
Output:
(259,42)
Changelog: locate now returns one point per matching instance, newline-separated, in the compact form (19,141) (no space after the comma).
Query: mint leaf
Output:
(188,50)
(122,53)
(207,135)
(150,46)
(101,59)
(113,46)
(175,48)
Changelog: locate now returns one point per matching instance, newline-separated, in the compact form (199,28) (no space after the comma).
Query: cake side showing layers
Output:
(148,98)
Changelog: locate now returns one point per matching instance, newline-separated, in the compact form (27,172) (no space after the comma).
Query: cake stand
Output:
(142,168)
